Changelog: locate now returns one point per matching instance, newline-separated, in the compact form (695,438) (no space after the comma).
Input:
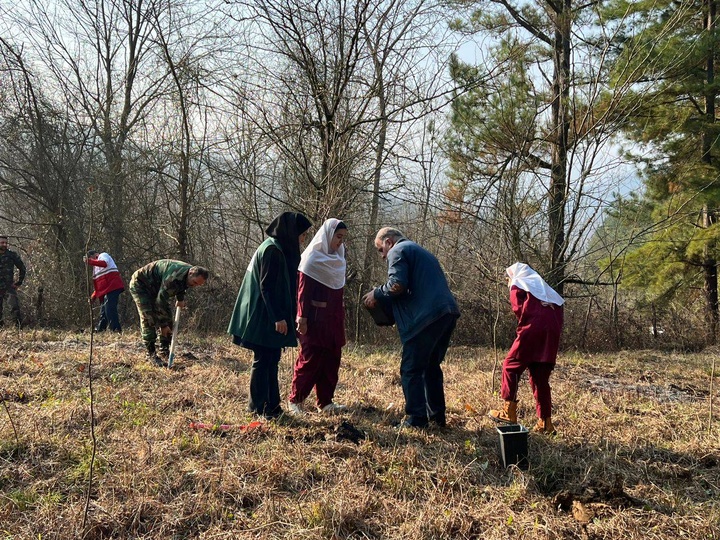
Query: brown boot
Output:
(508,415)
(544,425)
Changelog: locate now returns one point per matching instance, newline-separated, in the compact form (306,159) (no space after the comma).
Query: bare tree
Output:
(99,61)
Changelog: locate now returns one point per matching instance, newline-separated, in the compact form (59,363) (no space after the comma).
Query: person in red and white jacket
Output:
(108,285)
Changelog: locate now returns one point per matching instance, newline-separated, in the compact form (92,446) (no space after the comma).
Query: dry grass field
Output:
(633,457)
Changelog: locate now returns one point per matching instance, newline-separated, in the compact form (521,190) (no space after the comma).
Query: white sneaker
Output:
(333,408)
(294,409)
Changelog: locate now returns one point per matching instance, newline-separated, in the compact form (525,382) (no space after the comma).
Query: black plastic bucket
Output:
(513,445)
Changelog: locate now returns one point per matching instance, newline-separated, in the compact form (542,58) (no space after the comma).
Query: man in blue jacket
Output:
(425,313)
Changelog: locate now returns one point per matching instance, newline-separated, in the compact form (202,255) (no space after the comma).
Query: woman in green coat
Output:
(264,313)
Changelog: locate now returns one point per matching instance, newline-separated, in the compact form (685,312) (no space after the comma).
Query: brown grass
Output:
(633,457)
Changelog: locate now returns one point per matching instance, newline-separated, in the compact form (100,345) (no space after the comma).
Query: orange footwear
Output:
(507,415)
(544,425)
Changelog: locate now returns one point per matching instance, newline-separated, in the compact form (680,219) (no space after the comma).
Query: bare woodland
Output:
(179,129)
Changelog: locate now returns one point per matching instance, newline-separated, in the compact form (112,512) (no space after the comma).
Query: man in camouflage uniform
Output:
(9,260)
(151,287)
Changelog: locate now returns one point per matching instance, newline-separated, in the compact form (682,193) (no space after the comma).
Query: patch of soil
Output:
(596,491)
(662,393)
(14,397)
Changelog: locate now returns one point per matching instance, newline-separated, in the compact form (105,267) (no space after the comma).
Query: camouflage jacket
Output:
(8,262)
(156,283)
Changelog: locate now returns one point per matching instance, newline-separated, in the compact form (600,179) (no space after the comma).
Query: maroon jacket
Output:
(538,330)
(323,307)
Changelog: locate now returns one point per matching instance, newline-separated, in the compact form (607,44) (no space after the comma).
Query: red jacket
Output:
(106,277)
(325,313)
(538,330)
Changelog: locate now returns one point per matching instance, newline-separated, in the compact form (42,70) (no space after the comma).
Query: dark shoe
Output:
(438,419)
(155,360)
(276,413)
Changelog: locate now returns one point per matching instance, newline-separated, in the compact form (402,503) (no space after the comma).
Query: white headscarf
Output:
(527,279)
(317,261)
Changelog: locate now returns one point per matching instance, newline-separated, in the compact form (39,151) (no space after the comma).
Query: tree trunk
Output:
(708,134)
(366,274)
(559,137)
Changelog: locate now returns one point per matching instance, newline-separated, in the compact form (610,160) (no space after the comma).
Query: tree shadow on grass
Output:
(607,471)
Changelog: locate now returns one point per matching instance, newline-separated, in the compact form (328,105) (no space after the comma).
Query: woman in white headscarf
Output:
(539,311)
(320,319)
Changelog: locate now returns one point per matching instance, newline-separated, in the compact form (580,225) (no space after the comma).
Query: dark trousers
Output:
(12,300)
(420,372)
(109,312)
(264,385)
(539,375)
(318,367)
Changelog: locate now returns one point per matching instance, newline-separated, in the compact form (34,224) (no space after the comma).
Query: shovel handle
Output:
(176,323)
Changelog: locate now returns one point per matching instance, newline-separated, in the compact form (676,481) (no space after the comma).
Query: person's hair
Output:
(389,232)
(2,236)
(92,253)
(196,271)
(340,226)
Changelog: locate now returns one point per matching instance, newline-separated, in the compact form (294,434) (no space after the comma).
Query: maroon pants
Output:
(318,367)
(539,375)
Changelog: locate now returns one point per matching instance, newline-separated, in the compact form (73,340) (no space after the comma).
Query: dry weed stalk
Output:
(7,411)
(88,289)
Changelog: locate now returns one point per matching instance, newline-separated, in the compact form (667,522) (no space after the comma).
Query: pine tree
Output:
(667,52)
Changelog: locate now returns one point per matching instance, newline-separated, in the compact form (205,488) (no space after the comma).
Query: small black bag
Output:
(382,313)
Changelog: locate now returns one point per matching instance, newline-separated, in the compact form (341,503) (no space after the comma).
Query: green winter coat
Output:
(253,321)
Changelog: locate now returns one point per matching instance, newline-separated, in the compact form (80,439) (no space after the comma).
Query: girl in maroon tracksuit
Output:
(320,319)
(539,311)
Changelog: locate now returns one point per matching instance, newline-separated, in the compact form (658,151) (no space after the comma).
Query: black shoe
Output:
(154,359)
(277,412)
(438,419)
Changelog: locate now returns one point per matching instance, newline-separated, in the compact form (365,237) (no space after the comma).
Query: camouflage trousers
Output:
(10,295)
(145,304)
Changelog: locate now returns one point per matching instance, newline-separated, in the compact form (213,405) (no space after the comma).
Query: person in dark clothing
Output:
(425,313)
(9,261)
(262,319)
(320,319)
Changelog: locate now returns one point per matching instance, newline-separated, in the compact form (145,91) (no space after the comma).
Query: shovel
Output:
(176,323)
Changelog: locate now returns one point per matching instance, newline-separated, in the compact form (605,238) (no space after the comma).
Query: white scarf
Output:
(317,261)
(527,279)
